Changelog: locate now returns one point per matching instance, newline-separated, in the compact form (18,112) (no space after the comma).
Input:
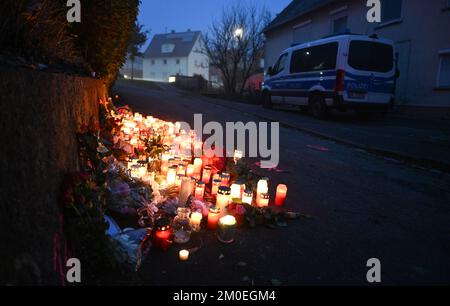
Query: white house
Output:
(175,54)
(419,29)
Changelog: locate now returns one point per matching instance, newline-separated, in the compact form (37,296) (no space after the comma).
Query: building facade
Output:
(419,29)
(133,69)
(175,54)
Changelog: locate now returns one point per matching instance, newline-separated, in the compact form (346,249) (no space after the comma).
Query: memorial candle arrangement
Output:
(213,217)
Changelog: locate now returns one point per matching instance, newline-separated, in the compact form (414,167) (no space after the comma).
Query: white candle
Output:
(184,255)
(190,170)
(223,198)
(235,191)
(196,219)
(227,229)
(263,200)
(171,175)
(185,191)
(247,197)
(200,190)
(198,166)
(206,176)
(263,187)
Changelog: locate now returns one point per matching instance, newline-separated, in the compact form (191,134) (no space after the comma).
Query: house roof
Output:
(294,10)
(183,42)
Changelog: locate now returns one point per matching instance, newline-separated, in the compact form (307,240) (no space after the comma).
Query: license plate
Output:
(357,95)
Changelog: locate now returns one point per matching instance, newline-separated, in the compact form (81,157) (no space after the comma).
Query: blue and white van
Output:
(344,72)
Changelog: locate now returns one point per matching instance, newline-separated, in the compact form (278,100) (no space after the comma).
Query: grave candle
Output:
(213,217)
(199,190)
(235,191)
(206,175)
(281,195)
(215,186)
(263,200)
(184,255)
(247,197)
(223,198)
(227,229)
(196,219)
(171,175)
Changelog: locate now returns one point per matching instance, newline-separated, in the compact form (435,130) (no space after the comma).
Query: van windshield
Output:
(371,56)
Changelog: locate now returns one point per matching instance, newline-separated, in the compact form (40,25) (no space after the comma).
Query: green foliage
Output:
(138,37)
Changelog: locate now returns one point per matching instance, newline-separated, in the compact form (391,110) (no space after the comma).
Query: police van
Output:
(344,72)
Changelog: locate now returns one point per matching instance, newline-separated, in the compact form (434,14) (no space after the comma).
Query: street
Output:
(362,206)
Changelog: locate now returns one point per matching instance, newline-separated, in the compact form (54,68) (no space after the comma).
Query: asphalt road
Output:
(364,206)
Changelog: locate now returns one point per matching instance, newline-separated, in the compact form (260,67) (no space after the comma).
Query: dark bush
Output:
(38,31)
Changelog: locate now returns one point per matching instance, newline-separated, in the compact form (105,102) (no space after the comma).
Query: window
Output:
(371,56)
(178,61)
(444,71)
(391,10)
(340,25)
(280,64)
(167,48)
(317,58)
(165,62)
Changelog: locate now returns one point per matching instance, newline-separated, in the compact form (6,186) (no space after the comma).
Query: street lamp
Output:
(238,33)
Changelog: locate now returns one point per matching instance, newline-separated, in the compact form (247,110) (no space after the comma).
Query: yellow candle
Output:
(184,255)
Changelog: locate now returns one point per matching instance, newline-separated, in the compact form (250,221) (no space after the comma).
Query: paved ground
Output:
(363,206)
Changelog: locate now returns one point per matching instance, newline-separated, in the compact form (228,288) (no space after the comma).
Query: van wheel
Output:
(267,100)
(317,107)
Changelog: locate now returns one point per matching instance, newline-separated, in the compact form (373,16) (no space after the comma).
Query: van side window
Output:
(280,64)
(317,58)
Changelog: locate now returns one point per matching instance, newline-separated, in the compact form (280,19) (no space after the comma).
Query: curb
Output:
(411,160)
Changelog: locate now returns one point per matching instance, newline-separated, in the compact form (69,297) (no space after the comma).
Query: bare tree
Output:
(235,44)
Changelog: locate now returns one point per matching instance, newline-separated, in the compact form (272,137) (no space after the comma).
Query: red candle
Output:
(213,217)
(281,195)
(162,234)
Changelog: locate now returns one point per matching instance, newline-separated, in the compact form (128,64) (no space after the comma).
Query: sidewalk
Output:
(424,143)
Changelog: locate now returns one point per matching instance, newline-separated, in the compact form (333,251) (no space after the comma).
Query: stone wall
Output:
(40,114)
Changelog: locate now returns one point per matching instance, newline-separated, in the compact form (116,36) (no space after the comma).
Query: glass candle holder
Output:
(223,198)
(263,200)
(247,196)
(171,175)
(213,217)
(281,195)
(199,190)
(206,175)
(196,220)
(225,177)
(182,226)
(215,186)
(226,229)
(162,234)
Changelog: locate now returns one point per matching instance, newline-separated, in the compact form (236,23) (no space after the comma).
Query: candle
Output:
(215,186)
(193,184)
(235,191)
(206,175)
(227,229)
(281,195)
(179,179)
(190,170)
(199,190)
(184,255)
(223,198)
(162,234)
(171,175)
(247,197)
(262,187)
(185,191)
(197,167)
(213,217)
(181,169)
(225,177)
(196,219)
(263,200)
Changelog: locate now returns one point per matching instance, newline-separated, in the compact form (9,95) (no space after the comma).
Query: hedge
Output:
(37,30)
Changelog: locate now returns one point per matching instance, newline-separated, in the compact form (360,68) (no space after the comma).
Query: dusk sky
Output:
(180,15)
